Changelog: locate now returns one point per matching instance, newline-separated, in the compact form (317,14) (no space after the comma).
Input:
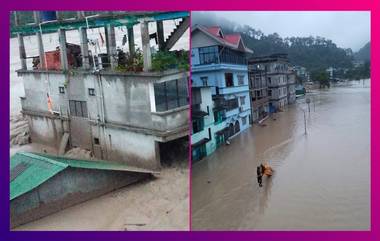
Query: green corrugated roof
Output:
(100,21)
(29,170)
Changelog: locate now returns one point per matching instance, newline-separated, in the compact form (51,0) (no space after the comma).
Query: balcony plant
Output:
(164,60)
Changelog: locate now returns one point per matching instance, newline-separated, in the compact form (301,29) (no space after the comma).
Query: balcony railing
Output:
(258,102)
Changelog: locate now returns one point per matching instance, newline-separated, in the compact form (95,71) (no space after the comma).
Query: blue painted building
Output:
(219,68)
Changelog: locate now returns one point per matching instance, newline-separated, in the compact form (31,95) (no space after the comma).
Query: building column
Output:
(146,46)
(16,18)
(41,50)
(81,15)
(160,35)
(59,15)
(21,48)
(63,49)
(36,17)
(84,48)
(131,40)
(111,47)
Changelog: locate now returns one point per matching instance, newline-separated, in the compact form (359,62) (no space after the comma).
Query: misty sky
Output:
(348,29)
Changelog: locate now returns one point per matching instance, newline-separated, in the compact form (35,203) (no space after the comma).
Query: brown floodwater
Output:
(321,180)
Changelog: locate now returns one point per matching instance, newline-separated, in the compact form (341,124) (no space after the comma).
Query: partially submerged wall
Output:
(67,188)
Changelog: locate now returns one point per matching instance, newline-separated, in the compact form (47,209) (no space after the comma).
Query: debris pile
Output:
(80,153)
(19,130)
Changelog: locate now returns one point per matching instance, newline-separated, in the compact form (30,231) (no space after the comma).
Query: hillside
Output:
(364,53)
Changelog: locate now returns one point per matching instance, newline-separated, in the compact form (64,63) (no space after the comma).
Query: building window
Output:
(78,108)
(198,125)
(91,91)
(96,141)
(269,80)
(61,89)
(231,104)
(244,120)
(240,79)
(171,94)
(204,81)
(269,92)
(218,117)
(232,57)
(229,77)
(208,55)
(242,100)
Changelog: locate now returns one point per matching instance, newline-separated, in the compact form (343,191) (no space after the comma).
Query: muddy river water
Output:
(321,179)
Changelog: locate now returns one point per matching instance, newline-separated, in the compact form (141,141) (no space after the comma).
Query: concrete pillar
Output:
(22,52)
(106,40)
(111,40)
(59,15)
(36,17)
(41,50)
(131,40)
(157,156)
(81,15)
(84,48)
(160,35)
(16,18)
(146,46)
(62,49)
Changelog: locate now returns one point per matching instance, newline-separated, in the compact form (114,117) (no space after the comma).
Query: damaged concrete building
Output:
(122,116)
(280,79)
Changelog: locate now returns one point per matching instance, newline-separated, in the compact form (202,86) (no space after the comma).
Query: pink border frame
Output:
(156,5)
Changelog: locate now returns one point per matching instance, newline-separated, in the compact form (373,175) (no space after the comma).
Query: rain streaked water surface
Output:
(321,180)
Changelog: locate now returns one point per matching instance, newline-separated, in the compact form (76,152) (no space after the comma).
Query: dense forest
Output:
(315,53)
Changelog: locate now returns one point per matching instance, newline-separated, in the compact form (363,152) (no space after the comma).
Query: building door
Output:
(80,130)
(237,127)
(199,152)
(231,130)
(219,140)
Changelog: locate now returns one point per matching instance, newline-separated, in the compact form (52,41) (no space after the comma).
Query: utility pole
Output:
(304,120)
(308,103)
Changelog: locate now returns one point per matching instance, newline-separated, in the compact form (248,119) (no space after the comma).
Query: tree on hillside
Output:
(322,77)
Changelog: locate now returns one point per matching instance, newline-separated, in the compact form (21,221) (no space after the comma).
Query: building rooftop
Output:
(98,20)
(29,170)
(233,41)
(269,58)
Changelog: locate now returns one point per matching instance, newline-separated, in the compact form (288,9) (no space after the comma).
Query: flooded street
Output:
(321,180)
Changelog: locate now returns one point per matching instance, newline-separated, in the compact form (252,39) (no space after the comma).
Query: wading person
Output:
(259,175)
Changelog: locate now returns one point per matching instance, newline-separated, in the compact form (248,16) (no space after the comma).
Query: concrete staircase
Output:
(177,32)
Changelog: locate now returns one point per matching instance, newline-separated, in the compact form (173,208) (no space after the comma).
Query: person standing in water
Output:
(259,171)
(263,170)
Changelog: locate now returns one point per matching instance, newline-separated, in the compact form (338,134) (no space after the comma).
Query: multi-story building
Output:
(202,121)
(120,116)
(276,68)
(302,74)
(258,88)
(219,63)
(291,86)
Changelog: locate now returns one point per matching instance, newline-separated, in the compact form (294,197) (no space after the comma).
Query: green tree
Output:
(322,77)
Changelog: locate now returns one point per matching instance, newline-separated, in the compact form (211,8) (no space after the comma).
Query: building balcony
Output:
(197,112)
(259,102)
(220,103)
(232,89)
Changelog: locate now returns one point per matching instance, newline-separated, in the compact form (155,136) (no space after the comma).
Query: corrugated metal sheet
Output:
(38,171)
(29,170)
